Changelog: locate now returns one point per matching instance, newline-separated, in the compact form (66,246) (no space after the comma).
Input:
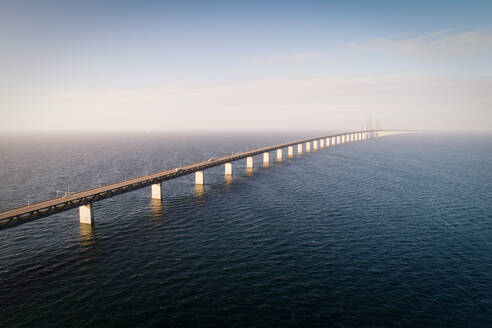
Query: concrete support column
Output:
(308,146)
(328,144)
(351,137)
(321,143)
(290,151)
(315,144)
(266,158)
(249,162)
(299,148)
(156,190)
(199,177)
(228,169)
(279,154)
(338,140)
(86,214)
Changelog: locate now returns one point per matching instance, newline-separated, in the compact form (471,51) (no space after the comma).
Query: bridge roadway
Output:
(54,205)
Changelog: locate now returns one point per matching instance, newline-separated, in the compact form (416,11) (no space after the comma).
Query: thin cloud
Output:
(437,44)
(293,59)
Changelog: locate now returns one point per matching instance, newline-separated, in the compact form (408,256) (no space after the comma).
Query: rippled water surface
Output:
(395,231)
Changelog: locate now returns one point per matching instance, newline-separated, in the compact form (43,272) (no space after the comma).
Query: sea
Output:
(388,232)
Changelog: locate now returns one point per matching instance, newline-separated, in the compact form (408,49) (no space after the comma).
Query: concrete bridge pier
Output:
(279,154)
(266,158)
(299,148)
(249,162)
(156,190)
(308,146)
(199,177)
(315,144)
(338,140)
(321,143)
(351,137)
(328,142)
(290,151)
(86,214)
(228,169)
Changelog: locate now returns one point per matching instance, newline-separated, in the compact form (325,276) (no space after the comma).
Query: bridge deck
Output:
(54,205)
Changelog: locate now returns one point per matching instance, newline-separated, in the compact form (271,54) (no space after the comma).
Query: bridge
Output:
(84,199)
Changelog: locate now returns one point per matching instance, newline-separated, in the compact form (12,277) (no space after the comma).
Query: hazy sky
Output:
(210,65)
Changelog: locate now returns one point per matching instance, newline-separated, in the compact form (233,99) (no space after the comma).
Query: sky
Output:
(245,65)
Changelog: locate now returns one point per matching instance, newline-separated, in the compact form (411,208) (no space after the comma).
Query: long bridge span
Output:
(84,199)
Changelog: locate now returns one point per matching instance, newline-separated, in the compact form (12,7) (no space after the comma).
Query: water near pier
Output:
(390,232)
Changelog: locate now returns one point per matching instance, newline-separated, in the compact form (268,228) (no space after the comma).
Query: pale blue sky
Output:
(62,61)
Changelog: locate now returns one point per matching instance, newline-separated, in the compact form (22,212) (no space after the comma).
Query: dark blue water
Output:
(395,231)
